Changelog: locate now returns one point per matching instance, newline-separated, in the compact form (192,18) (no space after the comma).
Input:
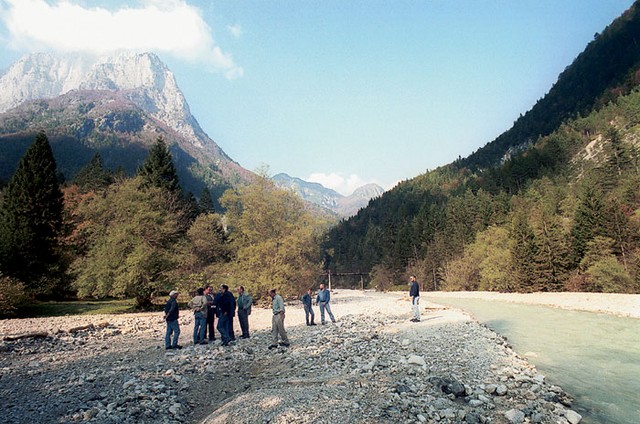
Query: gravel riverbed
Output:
(372,366)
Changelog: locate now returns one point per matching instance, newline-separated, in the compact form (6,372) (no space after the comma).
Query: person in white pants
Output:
(414,293)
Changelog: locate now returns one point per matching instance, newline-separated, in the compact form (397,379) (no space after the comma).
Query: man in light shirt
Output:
(277,321)
(322,299)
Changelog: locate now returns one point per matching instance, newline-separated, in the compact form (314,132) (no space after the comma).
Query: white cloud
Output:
(162,26)
(344,185)
(235,30)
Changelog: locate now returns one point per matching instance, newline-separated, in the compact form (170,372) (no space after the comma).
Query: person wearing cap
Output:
(171,312)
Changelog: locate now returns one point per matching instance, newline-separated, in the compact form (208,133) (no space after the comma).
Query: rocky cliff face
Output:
(38,76)
(147,81)
(120,102)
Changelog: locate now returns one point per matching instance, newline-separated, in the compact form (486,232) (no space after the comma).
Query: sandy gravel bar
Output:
(626,305)
(372,366)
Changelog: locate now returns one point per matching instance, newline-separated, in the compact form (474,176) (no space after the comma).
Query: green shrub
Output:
(609,276)
(12,295)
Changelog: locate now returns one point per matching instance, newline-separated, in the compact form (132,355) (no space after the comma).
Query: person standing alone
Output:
(277,321)
(414,293)
(323,298)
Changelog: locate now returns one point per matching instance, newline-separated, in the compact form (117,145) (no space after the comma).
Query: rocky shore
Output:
(372,366)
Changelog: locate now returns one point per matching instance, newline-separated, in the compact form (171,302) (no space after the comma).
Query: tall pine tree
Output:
(589,220)
(93,176)
(31,220)
(158,169)
(206,201)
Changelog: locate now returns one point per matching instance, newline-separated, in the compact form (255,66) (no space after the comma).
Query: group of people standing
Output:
(206,308)
(322,300)
(223,305)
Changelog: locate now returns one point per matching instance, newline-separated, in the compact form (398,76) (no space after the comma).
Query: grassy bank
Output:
(75,307)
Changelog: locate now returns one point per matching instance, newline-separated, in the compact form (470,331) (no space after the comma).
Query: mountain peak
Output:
(318,194)
(121,98)
(368,191)
(143,76)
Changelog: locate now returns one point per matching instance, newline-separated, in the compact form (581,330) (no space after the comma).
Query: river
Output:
(594,357)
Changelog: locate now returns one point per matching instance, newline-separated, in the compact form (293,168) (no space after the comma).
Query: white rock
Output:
(175,408)
(128,384)
(484,399)
(514,416)
(416,360)
(501,390)
(573,417)
(422,418)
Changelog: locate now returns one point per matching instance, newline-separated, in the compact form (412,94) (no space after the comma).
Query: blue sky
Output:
(335,91)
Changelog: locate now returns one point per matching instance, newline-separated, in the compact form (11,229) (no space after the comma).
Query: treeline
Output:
(564,215)
(106,235)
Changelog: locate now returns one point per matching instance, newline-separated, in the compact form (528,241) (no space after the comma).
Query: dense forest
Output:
(111,236)
(551,204)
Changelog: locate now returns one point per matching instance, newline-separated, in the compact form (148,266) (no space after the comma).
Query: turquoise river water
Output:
(594,357)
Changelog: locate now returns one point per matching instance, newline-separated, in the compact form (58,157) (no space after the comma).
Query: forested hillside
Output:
(551,204)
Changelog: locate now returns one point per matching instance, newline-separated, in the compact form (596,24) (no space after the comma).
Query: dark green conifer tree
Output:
(523,252)
(206,201)
(158,169)
(93,176)
(31,220)
(190,207)
(589,220)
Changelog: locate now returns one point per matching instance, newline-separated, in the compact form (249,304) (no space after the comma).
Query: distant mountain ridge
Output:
(316,193)
(117,105)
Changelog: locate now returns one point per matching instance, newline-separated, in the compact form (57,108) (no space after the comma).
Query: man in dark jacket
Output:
(308,309)
(414,293)
(171,313)
(226,305)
